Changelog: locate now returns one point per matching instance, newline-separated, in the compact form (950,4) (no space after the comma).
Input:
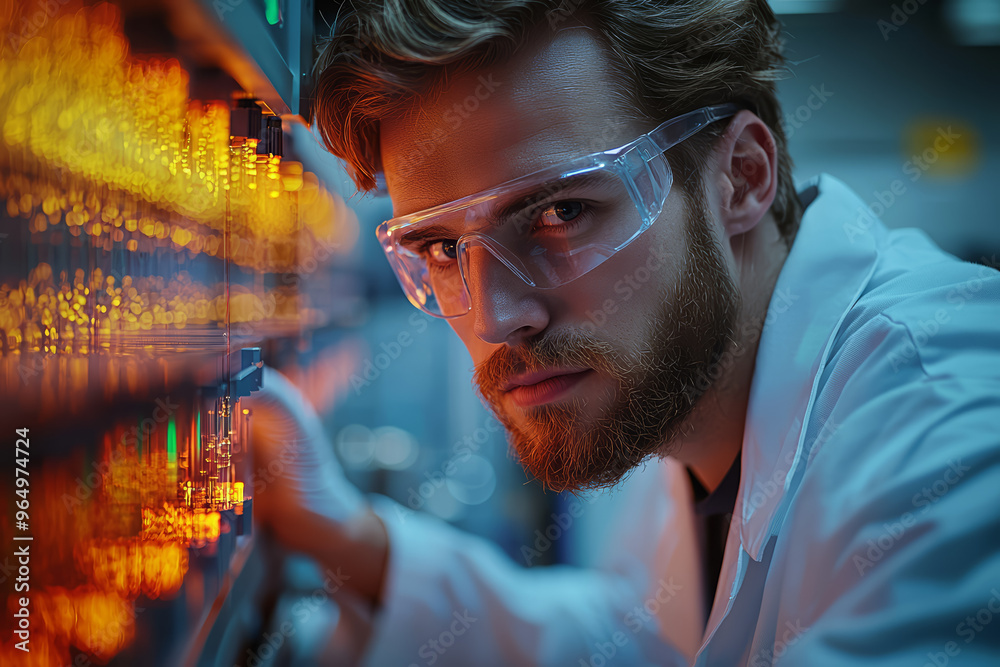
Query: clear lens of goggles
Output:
(547,228)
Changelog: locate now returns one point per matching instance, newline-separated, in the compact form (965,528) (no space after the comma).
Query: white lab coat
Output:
(867,526)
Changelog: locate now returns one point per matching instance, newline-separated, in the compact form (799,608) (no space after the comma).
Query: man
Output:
(599,200)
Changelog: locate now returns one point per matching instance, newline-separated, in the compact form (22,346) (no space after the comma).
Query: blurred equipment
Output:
(149,244)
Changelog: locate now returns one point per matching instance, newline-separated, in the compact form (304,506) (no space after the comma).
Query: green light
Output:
(171,442)
(271,11)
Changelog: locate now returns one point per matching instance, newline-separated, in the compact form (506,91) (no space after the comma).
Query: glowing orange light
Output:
(129,567)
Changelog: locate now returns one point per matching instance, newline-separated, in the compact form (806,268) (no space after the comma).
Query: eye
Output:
(443,251)
(561,213)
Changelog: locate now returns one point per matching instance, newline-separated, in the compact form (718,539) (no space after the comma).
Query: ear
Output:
(746,172)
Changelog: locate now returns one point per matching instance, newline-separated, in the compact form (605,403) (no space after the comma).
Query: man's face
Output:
(592,377)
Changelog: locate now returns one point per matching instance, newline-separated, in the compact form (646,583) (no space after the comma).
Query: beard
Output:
(657,383)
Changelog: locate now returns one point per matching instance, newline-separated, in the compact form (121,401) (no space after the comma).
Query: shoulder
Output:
(923,308)
(924,322)
(910,391)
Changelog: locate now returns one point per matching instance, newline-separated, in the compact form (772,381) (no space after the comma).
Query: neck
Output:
(713,435)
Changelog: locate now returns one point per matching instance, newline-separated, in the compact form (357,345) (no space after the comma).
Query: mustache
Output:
(556,349)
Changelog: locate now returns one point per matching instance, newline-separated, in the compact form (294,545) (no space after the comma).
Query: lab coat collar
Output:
(829,265)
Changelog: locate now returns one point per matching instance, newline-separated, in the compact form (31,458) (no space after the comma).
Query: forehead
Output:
(554,100)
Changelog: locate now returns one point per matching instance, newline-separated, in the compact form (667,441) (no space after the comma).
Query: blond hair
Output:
(670,57)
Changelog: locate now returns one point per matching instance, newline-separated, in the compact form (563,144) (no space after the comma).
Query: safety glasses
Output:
(547,228)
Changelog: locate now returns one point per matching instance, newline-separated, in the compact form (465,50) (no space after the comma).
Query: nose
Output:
(505,308)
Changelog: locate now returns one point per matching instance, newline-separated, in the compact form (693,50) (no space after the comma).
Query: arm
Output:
(430,584)
(455,599)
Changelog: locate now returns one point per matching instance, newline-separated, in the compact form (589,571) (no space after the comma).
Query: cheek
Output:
(618,298)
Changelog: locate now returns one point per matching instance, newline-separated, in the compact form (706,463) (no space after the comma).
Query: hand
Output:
(298,480)
(301,495)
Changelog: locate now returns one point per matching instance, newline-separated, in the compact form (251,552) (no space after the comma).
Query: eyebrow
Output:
(424,233)
(537,196)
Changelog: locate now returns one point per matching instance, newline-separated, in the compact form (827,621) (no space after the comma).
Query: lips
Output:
(538,387)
